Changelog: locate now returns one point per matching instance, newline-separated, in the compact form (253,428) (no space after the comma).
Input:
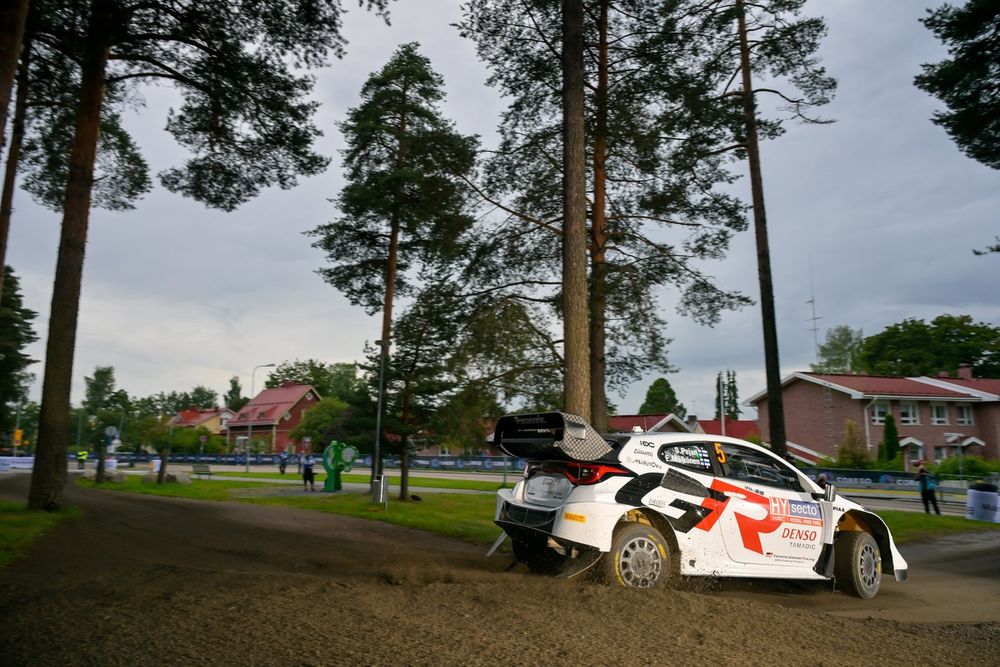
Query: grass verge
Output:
(20,527)
(354,478)
(467,517)
(915,526)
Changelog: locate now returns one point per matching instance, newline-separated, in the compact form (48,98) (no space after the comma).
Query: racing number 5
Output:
(719,454)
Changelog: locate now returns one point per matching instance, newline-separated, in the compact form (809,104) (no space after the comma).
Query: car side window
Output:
(746,465)
(689,455)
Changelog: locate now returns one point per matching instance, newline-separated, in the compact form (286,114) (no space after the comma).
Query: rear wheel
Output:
(639,557)
(858,564)
(534,552)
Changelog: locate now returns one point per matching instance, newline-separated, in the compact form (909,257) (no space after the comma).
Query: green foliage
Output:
(188,441)
(661,399)
(973,466)
(890,438)
(851,452)
(660,118)
(913,347)
(838,353)
(20,527)
(322,423)
(914,526)
(405,166)
(461,424)
(234,398)
(727,387)
(16,333)
(967,81)
(338,381)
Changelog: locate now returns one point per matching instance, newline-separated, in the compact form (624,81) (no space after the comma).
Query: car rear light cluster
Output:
(579,474)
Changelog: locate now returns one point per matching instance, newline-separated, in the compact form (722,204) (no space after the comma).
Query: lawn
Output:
(356,478)
(465,516)
(914,526)
(19,527)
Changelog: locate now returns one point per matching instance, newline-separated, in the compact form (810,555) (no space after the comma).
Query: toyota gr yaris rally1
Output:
(648,506)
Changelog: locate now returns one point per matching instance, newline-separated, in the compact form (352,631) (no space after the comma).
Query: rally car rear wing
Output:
(550,435)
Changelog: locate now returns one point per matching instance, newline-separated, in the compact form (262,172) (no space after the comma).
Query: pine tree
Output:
(890,438)
(661,399)
(16,333)
(246,117)
(404,205)
(655,127)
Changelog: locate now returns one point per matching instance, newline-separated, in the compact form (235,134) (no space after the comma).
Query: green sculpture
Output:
(337,458)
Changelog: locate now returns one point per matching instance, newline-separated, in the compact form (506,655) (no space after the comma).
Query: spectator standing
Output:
(308,479)
(928,486)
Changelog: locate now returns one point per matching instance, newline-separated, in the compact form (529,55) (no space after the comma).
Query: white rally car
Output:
(649,506)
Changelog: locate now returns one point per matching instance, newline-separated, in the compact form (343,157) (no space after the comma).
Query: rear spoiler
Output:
(549,435)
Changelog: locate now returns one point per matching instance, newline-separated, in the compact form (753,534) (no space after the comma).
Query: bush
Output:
(851,452)
(973,466)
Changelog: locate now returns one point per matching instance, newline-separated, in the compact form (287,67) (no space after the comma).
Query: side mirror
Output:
(829,493)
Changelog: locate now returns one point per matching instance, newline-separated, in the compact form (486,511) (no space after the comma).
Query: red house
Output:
(936,417)
(270,417)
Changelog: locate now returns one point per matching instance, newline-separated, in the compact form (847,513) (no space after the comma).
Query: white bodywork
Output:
(723,525)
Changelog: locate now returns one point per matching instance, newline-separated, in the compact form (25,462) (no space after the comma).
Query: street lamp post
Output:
(377,457)
(246,450)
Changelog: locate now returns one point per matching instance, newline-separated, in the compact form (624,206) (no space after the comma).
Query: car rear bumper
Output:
(588,524)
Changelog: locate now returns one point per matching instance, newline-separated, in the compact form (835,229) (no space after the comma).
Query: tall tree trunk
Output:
(49,476)
(775,406)
(576,325)
(404,457)
(13,157)
(599,239)
(390,291)
(13,16)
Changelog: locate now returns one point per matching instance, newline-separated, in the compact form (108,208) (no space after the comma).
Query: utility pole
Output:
(775,405)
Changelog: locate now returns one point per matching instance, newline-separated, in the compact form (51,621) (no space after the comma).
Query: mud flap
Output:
(496,545)
(580,564)
(824,566)
(825,563)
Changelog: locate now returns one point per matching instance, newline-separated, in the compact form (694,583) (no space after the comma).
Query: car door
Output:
(770,520)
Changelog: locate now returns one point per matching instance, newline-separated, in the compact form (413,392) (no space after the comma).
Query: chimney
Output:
(692,420)
(965,371)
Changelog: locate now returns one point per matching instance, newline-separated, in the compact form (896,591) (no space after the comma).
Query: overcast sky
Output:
(875,216)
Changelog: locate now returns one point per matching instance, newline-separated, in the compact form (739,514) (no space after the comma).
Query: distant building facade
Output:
(936,417)
(270,417)
(215,420)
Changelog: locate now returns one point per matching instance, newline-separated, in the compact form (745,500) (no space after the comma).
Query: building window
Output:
(964,415)
(909,414)
(939,414)
(879,411)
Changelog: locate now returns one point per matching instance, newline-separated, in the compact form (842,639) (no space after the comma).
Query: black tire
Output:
(639,558)
(857,564)
(534,552)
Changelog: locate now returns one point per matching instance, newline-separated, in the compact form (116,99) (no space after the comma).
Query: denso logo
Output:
(798,534)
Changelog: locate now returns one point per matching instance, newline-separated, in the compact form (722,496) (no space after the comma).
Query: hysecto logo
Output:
(796,511)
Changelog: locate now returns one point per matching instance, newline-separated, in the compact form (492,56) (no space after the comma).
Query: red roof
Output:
(735,428)
(879,385)
(269,405)
(195,416)
(989,385)
(625,423)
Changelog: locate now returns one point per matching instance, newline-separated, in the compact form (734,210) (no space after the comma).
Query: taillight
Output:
(591,473)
